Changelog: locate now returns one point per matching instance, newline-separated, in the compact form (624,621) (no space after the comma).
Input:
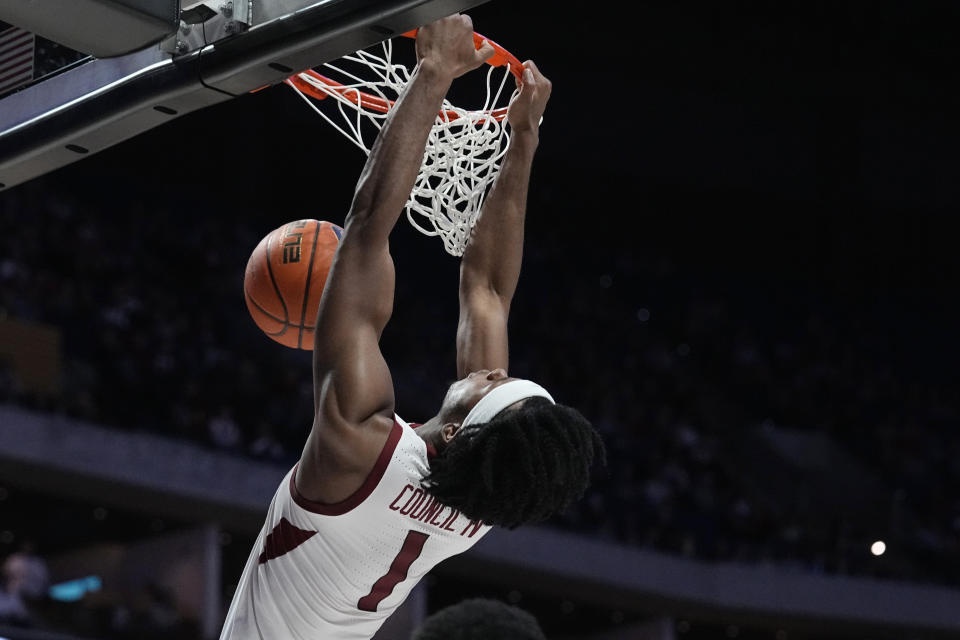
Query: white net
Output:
(464,149)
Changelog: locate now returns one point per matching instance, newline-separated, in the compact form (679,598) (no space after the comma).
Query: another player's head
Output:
(479,619)
(512,456)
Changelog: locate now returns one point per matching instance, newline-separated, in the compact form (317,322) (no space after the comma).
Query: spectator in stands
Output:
(30,576)
(25,580)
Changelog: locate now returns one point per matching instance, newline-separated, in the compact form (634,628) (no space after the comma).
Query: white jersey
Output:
(337,571)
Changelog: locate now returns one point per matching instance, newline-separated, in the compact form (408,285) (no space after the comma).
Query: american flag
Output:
(16,58)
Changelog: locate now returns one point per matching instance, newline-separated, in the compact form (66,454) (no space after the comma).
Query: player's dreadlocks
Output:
(480,619)
(521,467)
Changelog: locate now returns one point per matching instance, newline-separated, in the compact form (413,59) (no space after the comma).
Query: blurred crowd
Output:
(141,613)
(676,367)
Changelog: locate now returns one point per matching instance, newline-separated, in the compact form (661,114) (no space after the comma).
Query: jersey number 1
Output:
(410,551)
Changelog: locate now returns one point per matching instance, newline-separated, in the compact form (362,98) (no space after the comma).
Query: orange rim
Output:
(501,57)
(364,100)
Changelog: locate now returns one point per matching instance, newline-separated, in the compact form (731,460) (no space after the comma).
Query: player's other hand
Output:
(447,46)
(529,103)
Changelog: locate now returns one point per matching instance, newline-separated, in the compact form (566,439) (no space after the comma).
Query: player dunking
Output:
(374,504)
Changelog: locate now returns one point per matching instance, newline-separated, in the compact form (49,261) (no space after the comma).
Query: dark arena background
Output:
(739,265)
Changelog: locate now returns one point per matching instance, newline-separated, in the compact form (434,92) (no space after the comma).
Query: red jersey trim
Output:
(361,494)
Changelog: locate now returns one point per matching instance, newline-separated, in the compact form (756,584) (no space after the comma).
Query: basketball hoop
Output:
(464,149)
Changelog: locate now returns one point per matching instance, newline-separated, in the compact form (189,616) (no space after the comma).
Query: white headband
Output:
(501,398)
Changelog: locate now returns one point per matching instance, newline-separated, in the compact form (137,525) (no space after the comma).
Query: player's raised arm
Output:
(491,261)
(353,390)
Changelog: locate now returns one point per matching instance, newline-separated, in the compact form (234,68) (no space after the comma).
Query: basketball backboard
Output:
(223,49)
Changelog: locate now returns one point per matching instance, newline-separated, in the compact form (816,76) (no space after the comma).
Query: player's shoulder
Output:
(338,460)
(347,444)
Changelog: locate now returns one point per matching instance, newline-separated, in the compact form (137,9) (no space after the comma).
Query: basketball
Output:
(285,277)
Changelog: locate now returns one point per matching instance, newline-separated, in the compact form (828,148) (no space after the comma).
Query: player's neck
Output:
(430,431)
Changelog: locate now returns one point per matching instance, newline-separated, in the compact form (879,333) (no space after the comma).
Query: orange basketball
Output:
(285,278)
